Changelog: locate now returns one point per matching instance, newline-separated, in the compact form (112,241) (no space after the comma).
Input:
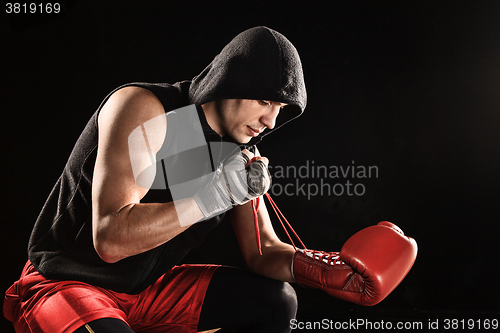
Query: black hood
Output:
(259,64)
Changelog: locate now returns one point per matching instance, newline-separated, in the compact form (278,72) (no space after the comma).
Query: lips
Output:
(253,132)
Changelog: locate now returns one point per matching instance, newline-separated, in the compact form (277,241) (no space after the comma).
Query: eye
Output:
(262,102)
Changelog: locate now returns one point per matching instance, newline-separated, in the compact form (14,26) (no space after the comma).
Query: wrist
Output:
(211,202)
(188,212)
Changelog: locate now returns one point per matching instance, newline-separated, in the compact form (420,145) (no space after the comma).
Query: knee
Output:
(289,297)
(283,302)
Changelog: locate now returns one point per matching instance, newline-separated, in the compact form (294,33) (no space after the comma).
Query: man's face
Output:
(244,119)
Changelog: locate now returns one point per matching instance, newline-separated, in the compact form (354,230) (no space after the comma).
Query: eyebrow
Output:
(280,104)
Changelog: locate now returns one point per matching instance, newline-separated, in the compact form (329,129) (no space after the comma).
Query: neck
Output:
(213,116)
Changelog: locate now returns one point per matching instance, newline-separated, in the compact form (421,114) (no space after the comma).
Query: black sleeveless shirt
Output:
(258,64)
(61,244)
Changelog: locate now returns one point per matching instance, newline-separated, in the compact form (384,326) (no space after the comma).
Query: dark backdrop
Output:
(410,87)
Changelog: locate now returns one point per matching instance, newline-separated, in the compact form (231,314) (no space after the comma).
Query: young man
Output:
(155,169)
(104,245)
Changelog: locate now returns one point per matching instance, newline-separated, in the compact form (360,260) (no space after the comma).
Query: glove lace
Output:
(281,218)
(329,258)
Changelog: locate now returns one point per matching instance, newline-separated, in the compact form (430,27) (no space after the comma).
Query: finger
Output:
(261,158)
(248,153)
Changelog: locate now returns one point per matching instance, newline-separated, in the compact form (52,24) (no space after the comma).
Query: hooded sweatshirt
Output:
(259,64)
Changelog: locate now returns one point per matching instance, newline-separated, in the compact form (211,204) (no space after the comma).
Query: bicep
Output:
(132,128)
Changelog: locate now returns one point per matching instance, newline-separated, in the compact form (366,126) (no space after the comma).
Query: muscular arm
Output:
(121,225)
(276,259)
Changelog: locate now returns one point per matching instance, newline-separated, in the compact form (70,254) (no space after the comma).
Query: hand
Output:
(243,177)
(256,156)
(258,177)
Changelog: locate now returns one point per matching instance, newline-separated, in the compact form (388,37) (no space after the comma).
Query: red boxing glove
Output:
(369,266)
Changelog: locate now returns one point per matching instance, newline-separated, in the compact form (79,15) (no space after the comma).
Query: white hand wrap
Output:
(235,185)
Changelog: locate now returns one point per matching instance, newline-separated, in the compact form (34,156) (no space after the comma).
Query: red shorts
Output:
(172,304)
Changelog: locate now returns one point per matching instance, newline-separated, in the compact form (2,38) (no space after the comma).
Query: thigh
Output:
(105,325)
(247,302)
(173,303)
(37,304)
(72,306)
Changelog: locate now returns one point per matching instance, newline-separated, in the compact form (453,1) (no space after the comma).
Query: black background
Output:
(411,87)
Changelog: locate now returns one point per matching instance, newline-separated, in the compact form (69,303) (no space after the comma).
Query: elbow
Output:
(106,248)
(104,252)
(254,260)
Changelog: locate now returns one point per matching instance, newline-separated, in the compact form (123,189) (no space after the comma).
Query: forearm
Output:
(137,228)
(276,259)
(275,262)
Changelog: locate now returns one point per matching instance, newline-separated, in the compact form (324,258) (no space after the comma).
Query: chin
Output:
(244,140)
(240,136)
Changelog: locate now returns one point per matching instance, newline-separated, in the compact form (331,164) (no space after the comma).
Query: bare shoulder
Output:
(128,108)
(132,127)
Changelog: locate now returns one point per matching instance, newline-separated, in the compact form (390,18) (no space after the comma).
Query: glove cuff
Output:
(325,271)
(211,202)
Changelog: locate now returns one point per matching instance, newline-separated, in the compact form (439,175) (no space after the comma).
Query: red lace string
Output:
(279,214)
(281,217)
(255,207)
(275,208)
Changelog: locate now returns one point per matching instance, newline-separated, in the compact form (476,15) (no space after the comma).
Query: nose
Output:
(268,119)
